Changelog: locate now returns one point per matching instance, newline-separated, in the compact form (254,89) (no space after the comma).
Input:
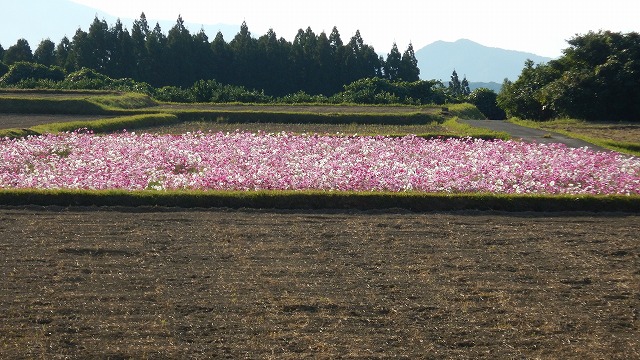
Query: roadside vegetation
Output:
(617,136)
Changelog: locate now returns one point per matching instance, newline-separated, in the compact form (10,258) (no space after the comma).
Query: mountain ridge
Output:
(476,62)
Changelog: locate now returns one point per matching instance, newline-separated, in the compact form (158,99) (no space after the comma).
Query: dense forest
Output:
(597,78)
(313,63)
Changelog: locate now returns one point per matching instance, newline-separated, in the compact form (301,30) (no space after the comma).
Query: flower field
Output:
(248,161)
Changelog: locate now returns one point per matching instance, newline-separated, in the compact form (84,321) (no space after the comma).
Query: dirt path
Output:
(122,283)
(529,134)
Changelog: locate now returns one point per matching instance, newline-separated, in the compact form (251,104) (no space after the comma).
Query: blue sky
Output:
(540,27)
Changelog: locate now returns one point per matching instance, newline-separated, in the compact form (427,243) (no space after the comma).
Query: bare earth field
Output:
(120,283)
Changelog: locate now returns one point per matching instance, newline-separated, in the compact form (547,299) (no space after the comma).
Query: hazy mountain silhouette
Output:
(477,62)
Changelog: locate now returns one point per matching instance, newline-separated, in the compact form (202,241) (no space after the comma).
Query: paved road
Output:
(529,134)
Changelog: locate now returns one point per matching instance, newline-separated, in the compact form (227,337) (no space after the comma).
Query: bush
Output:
(25,70)
(3,69)
(486,101)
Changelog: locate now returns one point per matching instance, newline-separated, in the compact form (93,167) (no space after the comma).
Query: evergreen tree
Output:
(21,51)
(1,53)
(245,64)
(338,53)
(202,56)
(455,87)
(275,77)
(101,46)
(45,53)
(139,35)
(408,70)
(464,87)
(156,48)
(122,62)
(62,52)
(81,54)
(393,64)
(326,66)
(179,53)
(222,57)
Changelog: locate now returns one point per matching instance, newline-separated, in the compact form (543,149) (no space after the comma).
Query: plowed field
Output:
(157,283)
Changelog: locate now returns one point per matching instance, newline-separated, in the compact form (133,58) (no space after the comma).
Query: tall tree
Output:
(45,54)
(180,55)
(464,87)
(62,52)
(222,57)
(156,48)
(21,51)
(245,63)
(393,64)
(81,54)
(338,51)
(408,70)
(122,62)
(202,56)
(102,45)
(326,66)
(139,34)
(455,87)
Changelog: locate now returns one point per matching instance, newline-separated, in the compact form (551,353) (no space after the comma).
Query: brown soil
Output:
(120,283)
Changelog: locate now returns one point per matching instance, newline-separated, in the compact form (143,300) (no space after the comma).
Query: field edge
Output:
(323,200)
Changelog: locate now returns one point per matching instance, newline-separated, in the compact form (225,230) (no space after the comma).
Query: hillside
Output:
(477,62)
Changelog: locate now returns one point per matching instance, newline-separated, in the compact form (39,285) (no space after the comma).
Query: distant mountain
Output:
(489,85)
(477,62)
(22,17)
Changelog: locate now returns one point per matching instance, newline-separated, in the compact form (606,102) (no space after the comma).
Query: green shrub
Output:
(26,70)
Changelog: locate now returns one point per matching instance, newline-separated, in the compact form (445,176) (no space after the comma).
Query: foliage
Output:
(595,79)
(313,199)
(25,70)
(317,64)
(486,101)
(3,69)
(21,51)
(382,91)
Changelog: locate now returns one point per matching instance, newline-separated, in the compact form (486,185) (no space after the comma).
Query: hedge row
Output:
(319,200)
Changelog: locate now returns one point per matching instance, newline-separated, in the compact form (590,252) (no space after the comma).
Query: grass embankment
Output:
(76,103)
(624,138)
(322,200)
(141,113)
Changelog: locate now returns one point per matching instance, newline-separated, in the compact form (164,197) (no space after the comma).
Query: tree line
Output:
(597,78)
(313,63)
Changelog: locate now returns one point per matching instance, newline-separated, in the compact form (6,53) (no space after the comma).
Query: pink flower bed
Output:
(245,161)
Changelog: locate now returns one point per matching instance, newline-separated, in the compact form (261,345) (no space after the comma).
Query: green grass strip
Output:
(465,111)
(109,125)
(464,130)
(74,103)
(319,200)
